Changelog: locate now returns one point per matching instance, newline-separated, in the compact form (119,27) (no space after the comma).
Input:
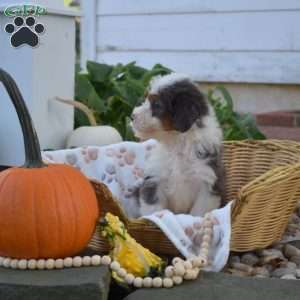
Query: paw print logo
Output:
(24,31)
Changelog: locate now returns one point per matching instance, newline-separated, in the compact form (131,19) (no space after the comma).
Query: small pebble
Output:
(106,260)
(288,264)
(242,267)
(147,282)
(167,282)
(96,260)
(296,260)
(288,276)
(249,259)
(68,262)
(263,271)
(138,282)
(40,264)
(177,280)
(59,263)
(157,282)
(290,250)
(233,259)
(278,273)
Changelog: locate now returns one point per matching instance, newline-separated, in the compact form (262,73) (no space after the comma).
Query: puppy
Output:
(184,172)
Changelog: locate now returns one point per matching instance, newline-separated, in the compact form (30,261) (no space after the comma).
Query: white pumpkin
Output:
(93,135)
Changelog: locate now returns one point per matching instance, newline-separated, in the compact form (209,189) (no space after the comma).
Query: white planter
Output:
(42,73)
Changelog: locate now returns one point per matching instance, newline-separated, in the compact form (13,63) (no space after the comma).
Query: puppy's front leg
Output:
(205,201)
(151,198)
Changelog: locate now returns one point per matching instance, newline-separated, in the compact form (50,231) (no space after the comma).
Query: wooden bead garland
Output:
(174,274)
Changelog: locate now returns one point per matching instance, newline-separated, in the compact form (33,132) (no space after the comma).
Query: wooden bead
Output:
(96,260)
(206,238)
(208,231)
(189,275)
(122,272)
(179,269)
(157,282)
(147,282)
(14,264)
(129,278)
(22,264)
(187,265)
(68,262)
(106,260)
(50,264)
(40,264)
(77,261)
(208,223)
(59,263)
(169,271)
(32,264)
(204,252)
(176,260)
(177,280)
(138,282)
(86,261)
(167,282)
(199,262)
(205,245)
(6,262)
(1,261)
(115,266)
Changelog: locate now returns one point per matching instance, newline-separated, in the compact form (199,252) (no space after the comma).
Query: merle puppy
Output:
(184,173)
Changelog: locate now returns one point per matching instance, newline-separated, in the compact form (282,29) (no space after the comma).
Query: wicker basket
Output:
(263,179)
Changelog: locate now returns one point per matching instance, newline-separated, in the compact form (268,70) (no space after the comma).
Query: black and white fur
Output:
(184,172)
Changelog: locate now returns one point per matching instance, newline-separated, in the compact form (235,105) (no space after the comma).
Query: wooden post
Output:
(42,73)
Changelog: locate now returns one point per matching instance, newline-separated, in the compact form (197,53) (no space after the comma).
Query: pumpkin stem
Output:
(88,112)
(32,147)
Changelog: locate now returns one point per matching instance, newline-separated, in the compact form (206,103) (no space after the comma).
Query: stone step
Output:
(219,286)
(86,283)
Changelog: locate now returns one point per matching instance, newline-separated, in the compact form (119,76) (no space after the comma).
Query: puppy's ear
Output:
(187,107)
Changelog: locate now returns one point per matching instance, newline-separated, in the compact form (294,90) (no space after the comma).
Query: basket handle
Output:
(277,176)
(32,146)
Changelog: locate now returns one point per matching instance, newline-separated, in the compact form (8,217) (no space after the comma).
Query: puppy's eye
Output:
(156,105)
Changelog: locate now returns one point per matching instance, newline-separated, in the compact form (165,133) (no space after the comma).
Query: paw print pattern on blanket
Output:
(119,166)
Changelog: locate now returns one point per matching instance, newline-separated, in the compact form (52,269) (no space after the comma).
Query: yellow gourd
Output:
(132,256)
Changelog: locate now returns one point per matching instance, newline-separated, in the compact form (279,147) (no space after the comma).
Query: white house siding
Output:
(254,41)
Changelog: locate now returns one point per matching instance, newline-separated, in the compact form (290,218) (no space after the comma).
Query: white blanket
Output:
(120,167)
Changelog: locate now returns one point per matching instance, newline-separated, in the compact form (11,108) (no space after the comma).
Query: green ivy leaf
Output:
(98,72)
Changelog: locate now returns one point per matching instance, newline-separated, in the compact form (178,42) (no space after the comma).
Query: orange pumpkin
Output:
(45,210)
